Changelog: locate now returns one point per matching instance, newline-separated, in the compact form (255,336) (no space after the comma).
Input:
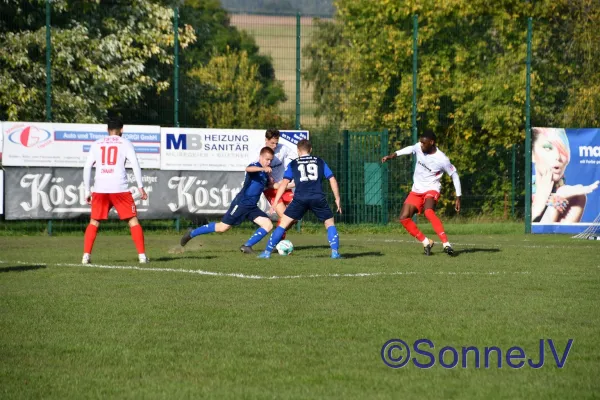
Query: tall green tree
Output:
(100,56)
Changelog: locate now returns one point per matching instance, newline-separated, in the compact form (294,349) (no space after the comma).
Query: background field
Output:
(211,322)
(276,37)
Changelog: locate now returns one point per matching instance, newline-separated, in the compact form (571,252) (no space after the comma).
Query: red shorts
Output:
(286,199)
(122,202)
(418,199)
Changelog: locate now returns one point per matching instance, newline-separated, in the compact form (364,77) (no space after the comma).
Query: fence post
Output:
(384,177)
(48,79)
(528,130)
(514,179)
(346,150)
(414,90)
(298,38)
(176,84)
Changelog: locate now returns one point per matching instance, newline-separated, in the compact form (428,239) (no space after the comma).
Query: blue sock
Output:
(259,234)
(333,237)
(204,229)
(275,238)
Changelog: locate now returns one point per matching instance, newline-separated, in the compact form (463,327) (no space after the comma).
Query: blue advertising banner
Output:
(565,181)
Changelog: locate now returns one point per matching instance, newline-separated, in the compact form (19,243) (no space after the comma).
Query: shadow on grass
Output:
(348,256)
(21,268)
(476,250)
(176,258)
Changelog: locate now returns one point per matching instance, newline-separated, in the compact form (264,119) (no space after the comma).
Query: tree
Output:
(100,55)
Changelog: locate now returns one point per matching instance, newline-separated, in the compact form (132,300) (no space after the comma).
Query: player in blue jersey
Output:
(244,206)
(307,172)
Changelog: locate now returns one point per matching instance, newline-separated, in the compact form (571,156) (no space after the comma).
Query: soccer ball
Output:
(284,247)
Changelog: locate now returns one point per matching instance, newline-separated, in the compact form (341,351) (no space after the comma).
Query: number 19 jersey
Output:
(308,172)
(109,154)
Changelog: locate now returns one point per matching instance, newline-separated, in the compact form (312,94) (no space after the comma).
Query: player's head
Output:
(304,147)
(427,140)
(271,138)
(550,152)
(115,127)
(266,156)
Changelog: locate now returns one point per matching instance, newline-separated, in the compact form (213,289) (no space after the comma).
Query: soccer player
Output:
(281,158)
(307,172)
(110,187)
(245,205)
(425,192)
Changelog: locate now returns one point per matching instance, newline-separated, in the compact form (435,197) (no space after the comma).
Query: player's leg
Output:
(322,211)
(100,206)
(411,206)
(294,211)
(137,235)
(125,206)
(265,225)
(436,223)
(233,216)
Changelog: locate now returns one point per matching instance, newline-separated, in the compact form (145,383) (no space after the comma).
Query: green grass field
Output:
(210,322)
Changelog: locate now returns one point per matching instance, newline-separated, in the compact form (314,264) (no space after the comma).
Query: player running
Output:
(425,192)
(244,206)
(283,155)
(308,172)
(111,188)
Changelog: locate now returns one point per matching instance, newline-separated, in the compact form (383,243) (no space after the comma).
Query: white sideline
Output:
(258,277)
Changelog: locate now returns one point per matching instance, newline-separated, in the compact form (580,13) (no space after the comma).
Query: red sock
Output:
(411,227)
(137,234)
(437,225)
(89,238)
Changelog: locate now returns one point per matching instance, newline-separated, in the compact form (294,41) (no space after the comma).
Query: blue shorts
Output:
(298,207)
(237,213)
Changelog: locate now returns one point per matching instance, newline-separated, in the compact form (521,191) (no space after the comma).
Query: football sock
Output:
(259,234)
(204,229)
(275,238)
(284,233)
(333,238)
(437,225)
(446,244)
(89,238)
(411,228)
(137,234)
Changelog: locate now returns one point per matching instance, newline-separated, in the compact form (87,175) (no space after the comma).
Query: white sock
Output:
(425,242)
(86,254)
(142,255)
(446,244)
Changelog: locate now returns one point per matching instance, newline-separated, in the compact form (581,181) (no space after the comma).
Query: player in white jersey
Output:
(283,155)
(111,188)
(431,165)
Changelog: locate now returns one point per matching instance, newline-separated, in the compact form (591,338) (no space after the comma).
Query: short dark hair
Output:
(267,150)
(271,133)
(115,124)
(305,145)
(428,134)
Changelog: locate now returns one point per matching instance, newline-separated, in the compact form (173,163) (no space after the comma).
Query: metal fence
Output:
(494,180)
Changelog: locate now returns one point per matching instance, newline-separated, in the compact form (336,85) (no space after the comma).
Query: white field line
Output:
(467,245)
(259,277)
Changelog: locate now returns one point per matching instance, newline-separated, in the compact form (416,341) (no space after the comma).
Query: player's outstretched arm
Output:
(457,187)
(336,193)
(253,168)
(402,152)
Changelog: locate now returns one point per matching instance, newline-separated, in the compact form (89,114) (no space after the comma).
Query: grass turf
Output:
(70,331)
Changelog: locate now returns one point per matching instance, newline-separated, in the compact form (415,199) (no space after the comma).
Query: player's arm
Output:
(402,152)
(451,170)
(254,168)
(87,173)
(335,188)
(137,171)
(288,175)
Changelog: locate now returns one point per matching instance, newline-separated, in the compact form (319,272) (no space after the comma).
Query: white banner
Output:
(39,144)
(1,141)
(196,149)
(1,192)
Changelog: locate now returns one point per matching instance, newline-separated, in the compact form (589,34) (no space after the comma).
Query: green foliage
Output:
(233,93)
(100,55)
(471,74)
